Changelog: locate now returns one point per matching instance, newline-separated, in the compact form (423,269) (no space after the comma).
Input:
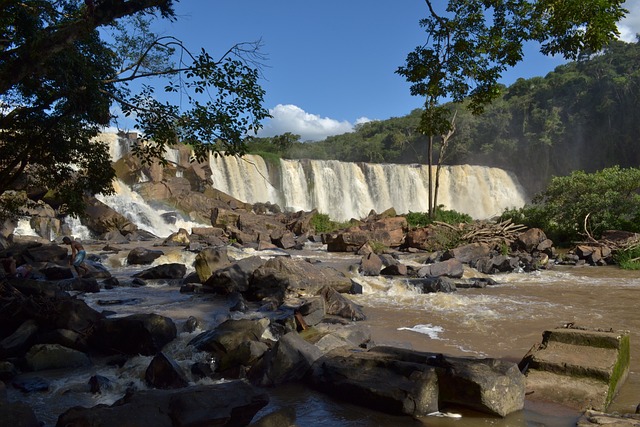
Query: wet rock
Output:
(592,418)
(17,414)
(280,418)
(234,342)
(313,310)
(144,334)
(163,271)
(7,371)
(450,268)
(395,270)
(491,386)
(30,384)
(143,256)
(339,305)
(370,265)
(54,356)
(163,372)
(497,264)
(235,277)
(232,403)
(190,324)
(99,384)
(289,360)
(433,284)
(179,238)
(377,382)
(18,342)
(210,260)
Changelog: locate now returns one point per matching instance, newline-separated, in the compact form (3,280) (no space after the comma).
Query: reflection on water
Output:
(502,321)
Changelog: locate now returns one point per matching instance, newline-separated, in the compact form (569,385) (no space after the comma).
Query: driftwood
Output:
(491,233)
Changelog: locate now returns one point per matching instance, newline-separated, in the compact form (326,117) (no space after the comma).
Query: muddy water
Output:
(505,321)
(502,321)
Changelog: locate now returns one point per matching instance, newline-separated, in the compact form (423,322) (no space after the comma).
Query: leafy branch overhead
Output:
(65,64)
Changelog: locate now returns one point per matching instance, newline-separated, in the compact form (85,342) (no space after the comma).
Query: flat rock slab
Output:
(595,418)
(582,369)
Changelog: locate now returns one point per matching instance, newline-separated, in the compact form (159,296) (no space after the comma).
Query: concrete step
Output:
(579,368)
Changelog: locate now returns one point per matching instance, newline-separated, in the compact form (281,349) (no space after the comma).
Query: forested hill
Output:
(583,115)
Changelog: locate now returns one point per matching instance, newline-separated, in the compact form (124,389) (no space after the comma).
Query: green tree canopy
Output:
(61,74)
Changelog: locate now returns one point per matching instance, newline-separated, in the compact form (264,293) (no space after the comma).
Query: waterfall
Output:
(351,190)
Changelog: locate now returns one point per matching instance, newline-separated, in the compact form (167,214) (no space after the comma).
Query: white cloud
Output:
(310,127)
(630,25)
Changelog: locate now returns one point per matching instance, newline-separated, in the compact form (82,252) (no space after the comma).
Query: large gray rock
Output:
(54,356)
(209,260)
(487,385)
(339,305)
(281,275)
(144,334)
(234,342)
(468,254)
(143,256)
(233,403)
(163,372)
(164,271)
(377,382)
(289,360)
(450,268)
(234,277)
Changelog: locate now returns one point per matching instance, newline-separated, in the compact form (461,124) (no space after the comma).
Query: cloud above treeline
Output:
(629,27)
(310,127)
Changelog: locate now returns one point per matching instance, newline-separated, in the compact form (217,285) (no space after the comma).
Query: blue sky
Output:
(330,64)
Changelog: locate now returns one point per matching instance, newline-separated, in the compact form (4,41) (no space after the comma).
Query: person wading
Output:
(78,255)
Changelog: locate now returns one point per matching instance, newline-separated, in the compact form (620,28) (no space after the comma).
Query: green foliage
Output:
(608,199)
(59,78)
(377,247)
(628,259)
(422,219)
(321,223)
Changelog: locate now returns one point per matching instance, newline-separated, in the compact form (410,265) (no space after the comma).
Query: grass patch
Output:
(321,223)
(421,219)
(628,259)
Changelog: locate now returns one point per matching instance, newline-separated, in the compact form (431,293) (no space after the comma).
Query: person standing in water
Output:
(78,255)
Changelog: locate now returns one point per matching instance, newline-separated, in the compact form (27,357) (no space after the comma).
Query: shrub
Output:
(629,259)
(608,197)
(421,219)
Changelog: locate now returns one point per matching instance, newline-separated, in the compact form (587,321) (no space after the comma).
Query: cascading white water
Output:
(351,190)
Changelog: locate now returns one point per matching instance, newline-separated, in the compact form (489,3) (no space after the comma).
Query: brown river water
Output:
(502,321)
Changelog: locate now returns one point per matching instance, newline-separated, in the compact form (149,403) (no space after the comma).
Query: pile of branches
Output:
(487,232)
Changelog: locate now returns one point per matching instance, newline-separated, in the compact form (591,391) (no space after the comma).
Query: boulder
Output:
(529,240)
(45,253)
(143,256)
(54,356)
(449,268)
(232,403)
(395,270)
(144,334)
(468,254)
(370,265)
(289,360)
(593,418)
(101,219)
(234,342)
(433,284)
(377,382)
(280,275)
(163,271)
(20,340)
(491,386)
(179,238)
(17,414)
(210,260)
(339,305)
(582,369)
(163,372)
(235,277)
